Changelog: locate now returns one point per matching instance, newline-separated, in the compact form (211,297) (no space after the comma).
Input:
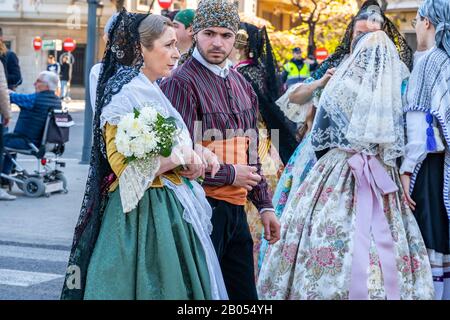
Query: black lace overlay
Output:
(261,74)
(121,63)
(403,49)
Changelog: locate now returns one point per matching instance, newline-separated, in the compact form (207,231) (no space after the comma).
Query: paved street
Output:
(36,234)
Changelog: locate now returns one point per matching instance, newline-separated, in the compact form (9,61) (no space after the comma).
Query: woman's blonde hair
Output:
(151,29)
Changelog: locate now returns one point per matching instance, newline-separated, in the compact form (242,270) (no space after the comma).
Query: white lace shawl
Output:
(293,111)
(137,176)
(361,107)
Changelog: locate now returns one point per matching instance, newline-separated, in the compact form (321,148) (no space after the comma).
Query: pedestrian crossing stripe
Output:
(34,253)
(25,278)
(22,278)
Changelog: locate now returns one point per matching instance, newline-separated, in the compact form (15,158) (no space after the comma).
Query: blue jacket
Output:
(34,109)
(12,69)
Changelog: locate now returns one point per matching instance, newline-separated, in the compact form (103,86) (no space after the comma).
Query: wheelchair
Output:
(47,178)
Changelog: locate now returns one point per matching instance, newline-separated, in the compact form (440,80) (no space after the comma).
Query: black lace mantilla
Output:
(121,63)
(404,51)
(261,73)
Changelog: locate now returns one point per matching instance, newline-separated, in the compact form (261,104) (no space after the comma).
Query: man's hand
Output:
(271,226)
(406,182)
(246,177)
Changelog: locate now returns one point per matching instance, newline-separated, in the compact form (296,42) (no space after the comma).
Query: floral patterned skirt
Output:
(313,258)
(295,172)
(271,166)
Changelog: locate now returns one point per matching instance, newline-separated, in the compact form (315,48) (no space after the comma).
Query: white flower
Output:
(150,141)
(130,125)
(137,147)
(126,122)
(148,115)
(123,143)
(140,137)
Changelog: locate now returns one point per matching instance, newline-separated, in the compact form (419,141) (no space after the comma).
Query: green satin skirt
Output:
(148,253)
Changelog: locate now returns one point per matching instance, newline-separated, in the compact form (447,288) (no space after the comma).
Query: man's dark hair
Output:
(1,32)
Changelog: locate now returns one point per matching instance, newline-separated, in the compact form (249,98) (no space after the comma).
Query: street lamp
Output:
(93,5)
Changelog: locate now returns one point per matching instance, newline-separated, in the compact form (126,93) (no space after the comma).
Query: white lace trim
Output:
(363,102)
(135,180)
(293,111)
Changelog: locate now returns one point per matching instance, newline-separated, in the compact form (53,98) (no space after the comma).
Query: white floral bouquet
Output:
(144,134)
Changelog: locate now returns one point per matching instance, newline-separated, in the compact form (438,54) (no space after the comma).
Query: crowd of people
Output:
(329,182)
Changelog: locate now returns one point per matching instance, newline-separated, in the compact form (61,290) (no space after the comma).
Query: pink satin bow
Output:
(372,181)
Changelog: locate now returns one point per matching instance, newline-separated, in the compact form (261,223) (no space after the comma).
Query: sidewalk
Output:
(48,221)
(44,220)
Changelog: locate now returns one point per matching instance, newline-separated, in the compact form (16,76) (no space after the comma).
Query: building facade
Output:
(404,11)
(23,20)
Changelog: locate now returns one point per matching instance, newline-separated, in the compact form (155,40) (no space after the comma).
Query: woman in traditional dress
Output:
(255,61)
(426,165)
(347,233)
(299,102)
(144,228)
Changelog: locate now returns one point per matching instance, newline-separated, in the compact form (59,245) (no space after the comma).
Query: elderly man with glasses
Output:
(34,109)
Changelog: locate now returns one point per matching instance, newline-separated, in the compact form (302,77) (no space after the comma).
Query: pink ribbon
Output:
(371,180)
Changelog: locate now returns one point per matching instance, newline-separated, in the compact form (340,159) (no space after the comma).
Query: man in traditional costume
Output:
(426,165)
(216,100)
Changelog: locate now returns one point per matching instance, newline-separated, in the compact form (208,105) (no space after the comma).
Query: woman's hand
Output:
(326,77)
(406,182)
(209,159)
(193,165)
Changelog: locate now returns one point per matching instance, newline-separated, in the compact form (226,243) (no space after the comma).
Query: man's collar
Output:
(221,72)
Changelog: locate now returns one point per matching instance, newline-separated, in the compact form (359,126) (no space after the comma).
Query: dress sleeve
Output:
(116,160)
(416,147)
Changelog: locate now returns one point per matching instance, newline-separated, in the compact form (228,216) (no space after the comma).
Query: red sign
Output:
(165,4)
(321,54)
(69,44)
(37,43)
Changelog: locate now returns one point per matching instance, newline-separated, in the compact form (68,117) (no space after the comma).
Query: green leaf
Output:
(166,151)
(129,159)
(136,113)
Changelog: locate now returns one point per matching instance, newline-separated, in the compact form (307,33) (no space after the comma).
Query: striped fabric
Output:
(428,91)
(223,104)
